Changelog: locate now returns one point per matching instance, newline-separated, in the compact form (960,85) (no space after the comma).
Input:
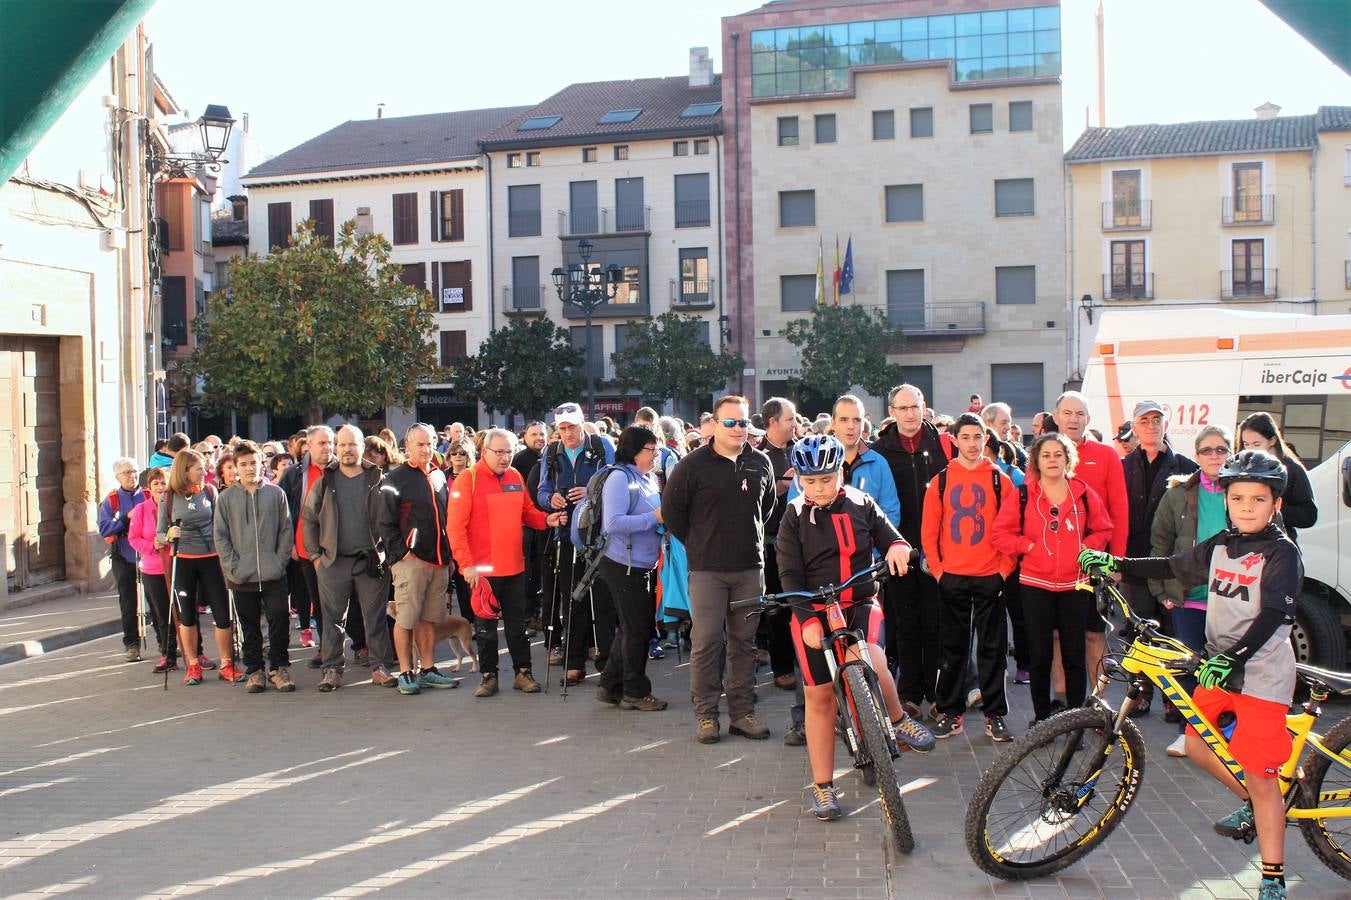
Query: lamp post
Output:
(214,126)
(587,287)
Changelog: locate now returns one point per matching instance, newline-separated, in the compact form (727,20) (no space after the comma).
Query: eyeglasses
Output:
(735,423)
(651,449)
(1213,451)
(506,452)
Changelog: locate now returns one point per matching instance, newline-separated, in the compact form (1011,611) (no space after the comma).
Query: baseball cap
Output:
(1124,433)
(1145,407)
(568,413)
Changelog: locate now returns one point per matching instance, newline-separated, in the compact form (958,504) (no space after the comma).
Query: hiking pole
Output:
(173,600)
(235,639)
(142,615)
(553,612)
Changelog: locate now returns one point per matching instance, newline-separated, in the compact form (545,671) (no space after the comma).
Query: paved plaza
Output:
(112,787)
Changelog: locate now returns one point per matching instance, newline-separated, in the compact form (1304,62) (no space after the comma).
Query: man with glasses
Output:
(532,542)
(114,522)
(780,418)
(717,502)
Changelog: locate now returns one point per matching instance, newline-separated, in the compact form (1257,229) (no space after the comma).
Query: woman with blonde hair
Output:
(460,455)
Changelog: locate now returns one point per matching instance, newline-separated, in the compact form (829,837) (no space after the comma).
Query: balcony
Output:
(691,294)
(1135,215)
(934,319)
(590,220)
(691,214)
(1135,286)
(523,300)
(633,218)
(1252,284)
(1250,209)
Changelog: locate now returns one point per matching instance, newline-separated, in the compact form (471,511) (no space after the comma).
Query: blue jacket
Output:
(629,507)
(160,461)
(1015,474)
(871,474)
(117,526)
(558,473)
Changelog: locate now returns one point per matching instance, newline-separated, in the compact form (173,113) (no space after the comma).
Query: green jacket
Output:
(1174,528)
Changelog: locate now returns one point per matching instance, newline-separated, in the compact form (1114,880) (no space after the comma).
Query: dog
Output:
(454,630)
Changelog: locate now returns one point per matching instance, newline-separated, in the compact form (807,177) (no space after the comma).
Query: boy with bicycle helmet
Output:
(829,532)
(1253,573)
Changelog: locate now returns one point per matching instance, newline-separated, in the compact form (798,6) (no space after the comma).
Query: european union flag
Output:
(847,271)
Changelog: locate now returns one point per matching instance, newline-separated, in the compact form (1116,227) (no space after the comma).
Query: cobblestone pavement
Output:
(112,787)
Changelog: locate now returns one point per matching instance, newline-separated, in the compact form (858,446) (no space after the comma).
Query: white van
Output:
(1215,366)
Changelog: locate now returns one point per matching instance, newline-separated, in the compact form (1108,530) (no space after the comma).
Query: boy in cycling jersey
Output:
(828,533)
(1254,573)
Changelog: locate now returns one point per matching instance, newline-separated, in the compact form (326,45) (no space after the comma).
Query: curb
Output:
(28,649)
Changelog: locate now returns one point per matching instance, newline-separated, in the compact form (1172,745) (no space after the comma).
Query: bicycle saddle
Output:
(1337,682)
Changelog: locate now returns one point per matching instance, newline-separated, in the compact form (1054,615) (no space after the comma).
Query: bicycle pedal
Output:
(1249,835)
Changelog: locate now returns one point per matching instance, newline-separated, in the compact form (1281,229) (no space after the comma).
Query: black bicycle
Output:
(863,717)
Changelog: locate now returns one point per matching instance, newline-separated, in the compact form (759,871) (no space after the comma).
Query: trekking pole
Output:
(142,614)
(235,639)
(553,613)
(173,601)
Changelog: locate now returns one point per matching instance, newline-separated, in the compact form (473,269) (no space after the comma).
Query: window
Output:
(525,285)
(825,128)
(583,216)
(884,124)
(1126,204)
(630,211)
(588,154)
(630,291)
(578,335)
(691,200)
(921,377)
(1013,197)
(174,309)
(278,225)
(1015,285)
(797,208)
(523,210)
(173,236)
(797,293)
(680,148)
(1020,115)
(321,212)
(539,123)
(532,158)
(1248,192)
(1020,385)
(694,286)
(414,275)
(1249,276)
(621,339)
(696,110)
(618,116)
(621,151)
(452,286)
(905,202)
(701,148)
(515,160)
(922,122)
(405,219)
(452,215)
(905,299)
(788,131)
(982,118)
(454,347)
(1128,270)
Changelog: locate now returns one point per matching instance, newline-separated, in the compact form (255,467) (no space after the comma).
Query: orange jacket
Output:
(484,519)
(957,529)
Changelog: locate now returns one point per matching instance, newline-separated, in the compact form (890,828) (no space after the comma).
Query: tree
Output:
(526,366)
(843,346)
(314,330)
(668,358)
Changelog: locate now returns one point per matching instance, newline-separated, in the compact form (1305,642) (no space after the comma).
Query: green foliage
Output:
(314,330)
(668,359)
(526,366)
(843,346)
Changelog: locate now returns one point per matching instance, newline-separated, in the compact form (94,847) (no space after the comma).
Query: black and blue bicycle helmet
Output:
(817,454)
(1255,465)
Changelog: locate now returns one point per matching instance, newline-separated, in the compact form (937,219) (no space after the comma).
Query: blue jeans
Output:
(1189,627)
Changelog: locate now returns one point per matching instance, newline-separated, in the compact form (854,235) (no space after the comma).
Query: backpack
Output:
(594,450)
(589,517)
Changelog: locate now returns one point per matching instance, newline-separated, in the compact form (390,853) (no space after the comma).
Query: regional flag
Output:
(835,278)
(820,273)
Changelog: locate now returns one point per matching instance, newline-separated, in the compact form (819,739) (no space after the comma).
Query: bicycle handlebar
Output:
(798,598)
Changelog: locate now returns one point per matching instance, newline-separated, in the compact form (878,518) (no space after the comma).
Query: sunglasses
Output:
(1055,519)
(1213,451)
(457,453)
(735,423)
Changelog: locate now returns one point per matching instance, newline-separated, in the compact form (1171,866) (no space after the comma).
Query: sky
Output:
(300,67)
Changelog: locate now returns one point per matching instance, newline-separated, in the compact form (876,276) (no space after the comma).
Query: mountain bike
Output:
(864,721)
(1058,791)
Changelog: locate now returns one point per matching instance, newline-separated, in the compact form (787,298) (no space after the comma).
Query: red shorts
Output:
(864,616)
(1261,743)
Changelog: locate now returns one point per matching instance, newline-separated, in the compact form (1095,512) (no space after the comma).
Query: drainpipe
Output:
(1072,314)
(1313,228)
(736,163)
(492,272)
(722,262)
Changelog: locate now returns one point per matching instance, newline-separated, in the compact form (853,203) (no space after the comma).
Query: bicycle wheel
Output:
(1330,839)
(873,736)
(1024,822)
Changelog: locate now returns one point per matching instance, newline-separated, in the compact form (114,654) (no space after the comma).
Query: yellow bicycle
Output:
(1058,791)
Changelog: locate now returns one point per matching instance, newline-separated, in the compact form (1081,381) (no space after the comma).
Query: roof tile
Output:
(1195,139)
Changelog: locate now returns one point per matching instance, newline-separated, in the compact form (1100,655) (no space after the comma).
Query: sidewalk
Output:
(60,622)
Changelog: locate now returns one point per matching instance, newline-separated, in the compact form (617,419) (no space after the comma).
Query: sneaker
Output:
(643,704)
(973,698)
(363,658)
(748,726)
(133,654)
(525,682)
(912,709)
(948,725)
(795,736)
(654,650)
(205,662)
(913,735)
(670,643)
(488,686)
(1056,707)
(603,695)
(533,626)
(1271,890)
(996,730)
(1139,708)
(316,661)
(1022,676)
(307,637)
(825,802)
(785,682)
(1178,748)
(165,664)
(708,731)
(194,674)
(408,683)
(257,682)
(381,677)
(1170,712)
(431,678)
(572,676)
(331,681)
(281,680)
(1237,824)
(230,672)
(556,656)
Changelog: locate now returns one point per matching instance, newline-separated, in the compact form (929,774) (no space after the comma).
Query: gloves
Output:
(1221,671)
(1097,561)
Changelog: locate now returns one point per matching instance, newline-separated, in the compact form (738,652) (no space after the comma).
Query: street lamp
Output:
(587,288)
(214,126)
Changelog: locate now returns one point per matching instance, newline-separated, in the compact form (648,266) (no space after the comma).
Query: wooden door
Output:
(30,457)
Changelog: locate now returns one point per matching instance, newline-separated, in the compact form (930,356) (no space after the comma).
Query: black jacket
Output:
(411,498)
(718,507)
(1144,497)
(912,473)
(525,459)
(1298,509)
(292,483)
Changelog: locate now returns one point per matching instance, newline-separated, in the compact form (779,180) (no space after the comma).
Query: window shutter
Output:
(457,215)
(436,287)
(434,210)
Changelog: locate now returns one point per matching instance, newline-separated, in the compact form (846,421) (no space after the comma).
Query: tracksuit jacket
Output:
(1144,498)
(253,536)
(116,526)
(912,471)
(485,517)
(413,499)
(718,507)
(1050,559)
(958,527)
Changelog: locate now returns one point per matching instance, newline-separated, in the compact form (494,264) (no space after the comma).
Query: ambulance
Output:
(1214,367)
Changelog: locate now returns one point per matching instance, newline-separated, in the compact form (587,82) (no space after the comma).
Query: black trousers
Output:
(777,626)
(251,606)
(1013,602)
(584,630)
(157,598)
(510,593)
(460,588)
(532,545)
(1045,612)
(971,602)
(912,610)
(626,669)
(124,573)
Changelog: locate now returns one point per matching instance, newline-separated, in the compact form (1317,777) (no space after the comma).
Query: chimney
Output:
(239,207)
(246,123)
(379,110)
(1267,110)
(701,67)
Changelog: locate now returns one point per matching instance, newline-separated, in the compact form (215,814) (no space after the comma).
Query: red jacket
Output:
(956,528)
(484,519)
(1100,468)
(1051,557)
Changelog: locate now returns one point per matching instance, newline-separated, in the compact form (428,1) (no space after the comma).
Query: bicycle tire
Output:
(1048,821)
(1333,848)
(873,736)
